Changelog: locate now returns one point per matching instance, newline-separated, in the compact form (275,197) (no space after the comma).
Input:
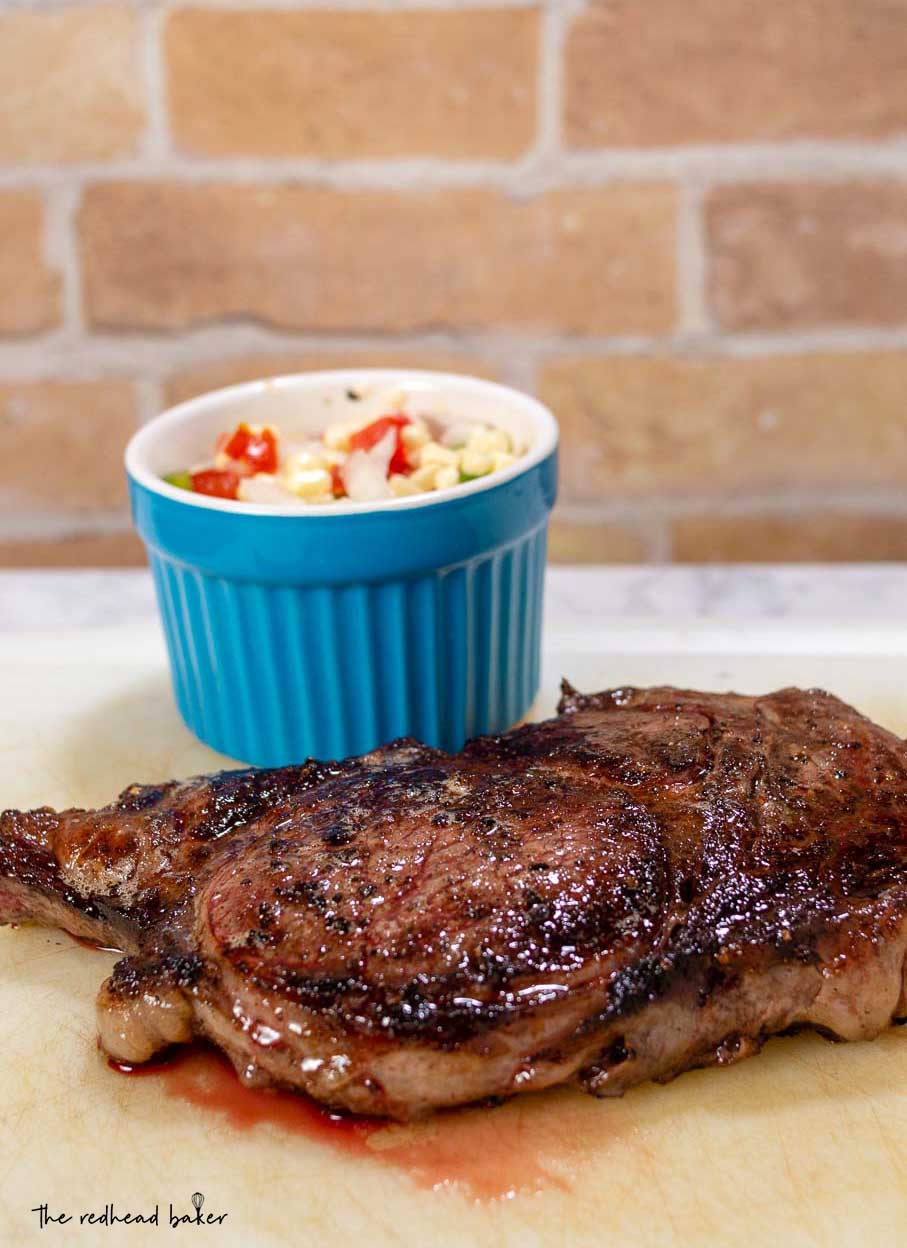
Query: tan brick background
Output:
(683,223)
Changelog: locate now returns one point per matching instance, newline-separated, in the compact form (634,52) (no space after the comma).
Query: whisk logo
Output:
(198,1217)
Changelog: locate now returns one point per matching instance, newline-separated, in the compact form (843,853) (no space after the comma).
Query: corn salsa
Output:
(392,455)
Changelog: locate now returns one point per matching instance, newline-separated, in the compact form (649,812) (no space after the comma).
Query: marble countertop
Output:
(55,601)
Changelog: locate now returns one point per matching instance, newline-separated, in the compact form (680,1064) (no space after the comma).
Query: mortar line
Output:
(879,502)
(40,526)
(156,140)
(650,521)
(157,355)
(347,6)
(660,545)
(149,393)
(550,81)
(535,173)
(693,316)
(60,210)
(356,6)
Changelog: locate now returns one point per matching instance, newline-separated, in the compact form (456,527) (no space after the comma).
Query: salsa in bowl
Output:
(301,629)
(298,411)
(393,447)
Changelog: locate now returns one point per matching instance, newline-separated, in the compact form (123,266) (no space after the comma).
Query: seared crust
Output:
(654,880)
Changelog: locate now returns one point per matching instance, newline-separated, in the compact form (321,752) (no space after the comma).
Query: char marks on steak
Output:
(655,880)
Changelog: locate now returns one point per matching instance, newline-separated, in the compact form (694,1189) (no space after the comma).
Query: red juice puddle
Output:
(205,1078)
(484,1153)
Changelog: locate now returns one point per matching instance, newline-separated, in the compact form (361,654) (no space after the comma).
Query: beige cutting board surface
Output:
(806,1144)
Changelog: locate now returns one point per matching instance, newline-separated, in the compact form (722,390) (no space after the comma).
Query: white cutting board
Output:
(806,1144)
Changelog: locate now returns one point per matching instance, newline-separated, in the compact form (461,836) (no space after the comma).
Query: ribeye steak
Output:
(656,879)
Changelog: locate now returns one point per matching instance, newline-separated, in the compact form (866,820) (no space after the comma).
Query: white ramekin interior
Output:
(303,404)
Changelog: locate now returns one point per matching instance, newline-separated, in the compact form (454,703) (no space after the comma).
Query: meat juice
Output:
(486,1153)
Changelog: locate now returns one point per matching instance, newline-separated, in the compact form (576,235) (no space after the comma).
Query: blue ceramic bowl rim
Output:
(545,439)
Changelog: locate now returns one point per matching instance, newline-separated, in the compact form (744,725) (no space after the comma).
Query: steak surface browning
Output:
(657,879)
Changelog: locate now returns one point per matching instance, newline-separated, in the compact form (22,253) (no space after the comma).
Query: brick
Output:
(29,288)
(353,85)
(571,541)
(808,255)
(165,256)
(102,550)
(707,71)
(70,85)
(194,381)
(69,439)
(811,537)
(640,427)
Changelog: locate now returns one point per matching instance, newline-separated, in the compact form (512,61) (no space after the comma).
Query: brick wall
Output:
(682,222)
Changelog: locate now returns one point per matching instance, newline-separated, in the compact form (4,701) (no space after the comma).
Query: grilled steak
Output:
(655,880)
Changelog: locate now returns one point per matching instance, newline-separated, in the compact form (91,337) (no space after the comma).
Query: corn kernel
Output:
(435,453)
(447,475)
(424,477)
(337,437)
(475,463)
(487,441)
(414,435)
(402,486)
(501,459)
(303,458)
(307,477)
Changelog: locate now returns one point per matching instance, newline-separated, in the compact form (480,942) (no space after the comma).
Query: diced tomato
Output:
(251,452)
(261,452)
(399,460)
(215,483)
(371,435)
(234,444)
(365,439)
(337,485)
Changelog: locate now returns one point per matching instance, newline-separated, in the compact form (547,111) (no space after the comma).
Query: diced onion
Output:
(383,450)
(364,479)
(264,488)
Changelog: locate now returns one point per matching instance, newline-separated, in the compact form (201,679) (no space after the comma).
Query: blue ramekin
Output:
(326,631)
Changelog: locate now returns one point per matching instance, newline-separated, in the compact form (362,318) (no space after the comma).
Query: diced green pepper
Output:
(181,480)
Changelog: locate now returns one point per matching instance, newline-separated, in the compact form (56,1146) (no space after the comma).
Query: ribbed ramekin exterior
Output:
(274,673)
